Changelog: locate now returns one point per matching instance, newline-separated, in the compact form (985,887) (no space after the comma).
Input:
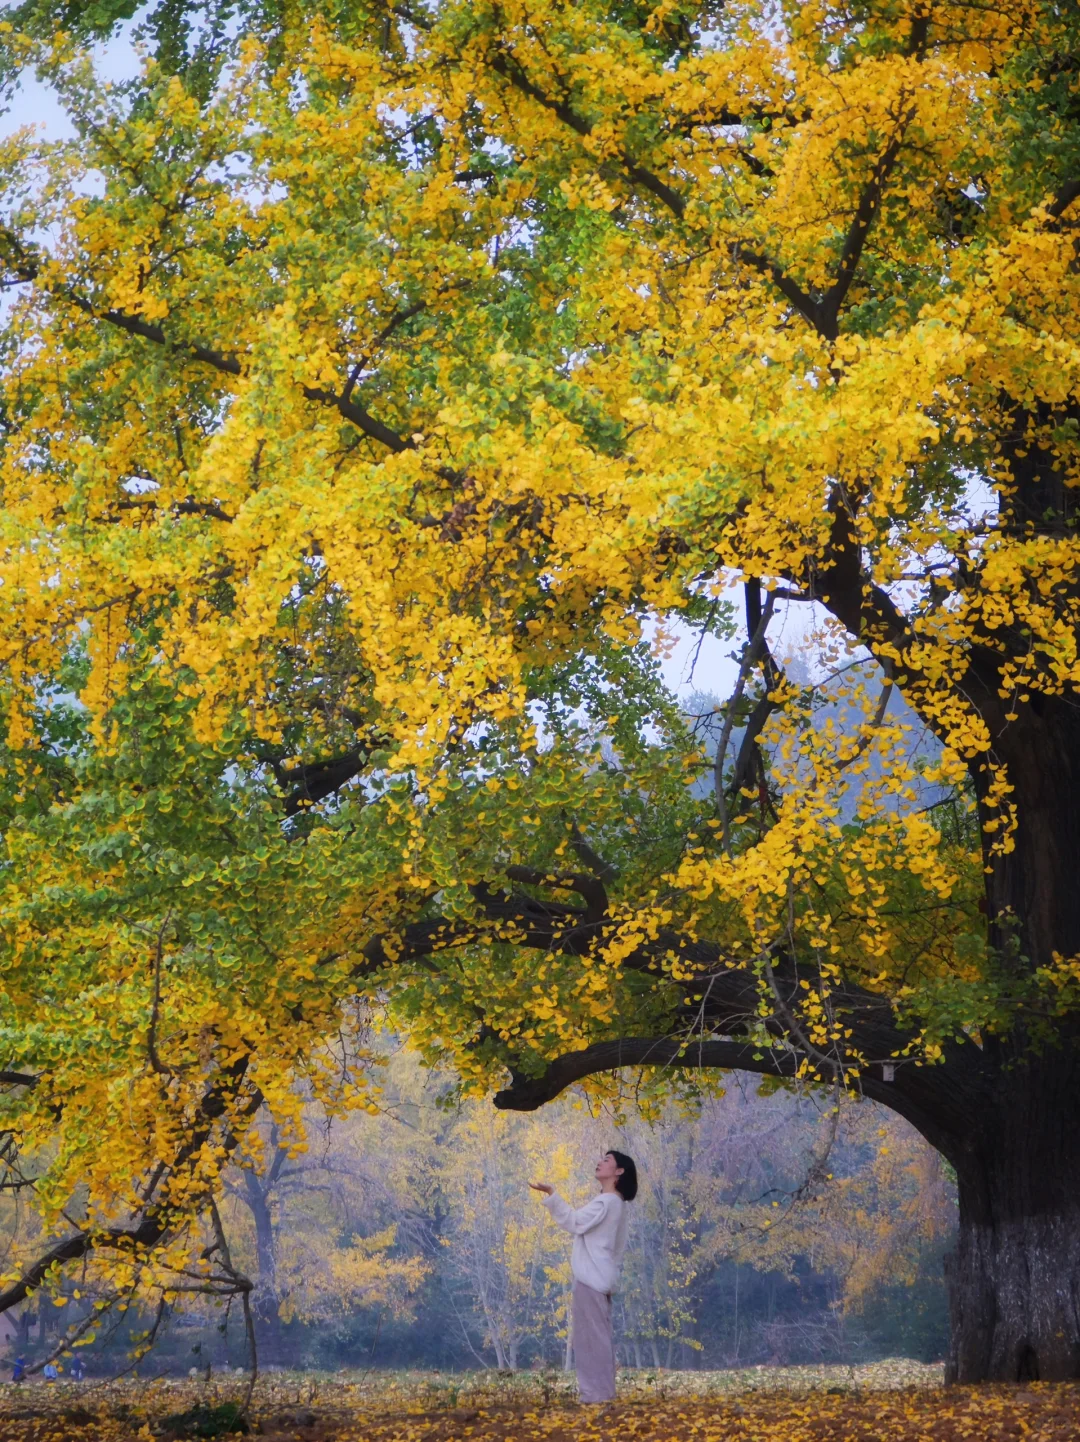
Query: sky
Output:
(35,103)
(708,667)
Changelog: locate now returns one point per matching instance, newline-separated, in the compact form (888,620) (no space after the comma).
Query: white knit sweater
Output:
(599,1232)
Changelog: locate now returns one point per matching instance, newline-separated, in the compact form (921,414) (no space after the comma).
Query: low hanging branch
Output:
(939,1101)
(160,1214)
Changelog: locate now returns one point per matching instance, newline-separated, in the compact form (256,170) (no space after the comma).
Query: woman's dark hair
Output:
(626,1185)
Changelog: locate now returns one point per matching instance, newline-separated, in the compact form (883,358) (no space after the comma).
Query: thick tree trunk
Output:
(1014,1300)
(1033,897)
(1014,1277)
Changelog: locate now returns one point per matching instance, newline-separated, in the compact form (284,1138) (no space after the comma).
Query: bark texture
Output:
(1014,1288)
(1014,1277)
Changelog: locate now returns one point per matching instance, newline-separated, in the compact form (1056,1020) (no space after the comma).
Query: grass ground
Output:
(886,1402)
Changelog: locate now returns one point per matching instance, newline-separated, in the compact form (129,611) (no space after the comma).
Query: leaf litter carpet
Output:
(885,1402)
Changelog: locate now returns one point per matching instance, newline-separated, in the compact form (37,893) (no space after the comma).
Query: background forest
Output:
(769,1230)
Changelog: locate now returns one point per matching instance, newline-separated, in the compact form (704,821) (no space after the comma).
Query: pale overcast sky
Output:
(35,104)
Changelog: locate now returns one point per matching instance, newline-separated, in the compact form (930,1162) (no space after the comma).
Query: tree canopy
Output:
(370,390)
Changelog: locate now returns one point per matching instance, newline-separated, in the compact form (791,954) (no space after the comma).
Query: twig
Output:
(879,716)
(371,1354)
(151,1338)
(709,619)
(71,1336)
(834,1064)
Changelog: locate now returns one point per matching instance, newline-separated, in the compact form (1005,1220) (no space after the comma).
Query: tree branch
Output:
(855,241)
(363,420)
(1067,192)
(941,1100)
(590,888)
(504,64)
(822,314)
(159,1217)
(319,779)
(69,1250)
(603,870)
(803,302)
(189,507)
(507,66)
(397,319)
(527,1094)
(27,268)
(751,656)
(916,1093)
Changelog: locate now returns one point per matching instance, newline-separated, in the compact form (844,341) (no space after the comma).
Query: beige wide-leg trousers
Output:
(594,1346)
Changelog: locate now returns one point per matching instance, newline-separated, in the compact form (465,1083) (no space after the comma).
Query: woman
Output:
(599,1232)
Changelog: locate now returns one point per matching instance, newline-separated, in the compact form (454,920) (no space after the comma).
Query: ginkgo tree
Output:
(367,397)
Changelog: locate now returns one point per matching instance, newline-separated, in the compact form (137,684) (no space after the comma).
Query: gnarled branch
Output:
(527,1094)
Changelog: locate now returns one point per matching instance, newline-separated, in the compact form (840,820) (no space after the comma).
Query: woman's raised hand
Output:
(544,1187)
